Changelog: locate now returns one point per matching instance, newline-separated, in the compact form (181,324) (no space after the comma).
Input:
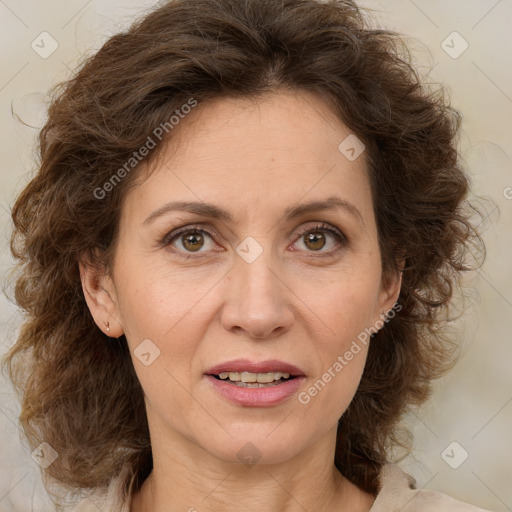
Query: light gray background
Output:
(473,405)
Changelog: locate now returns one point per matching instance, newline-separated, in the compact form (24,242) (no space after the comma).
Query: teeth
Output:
(262,378)
(253,377)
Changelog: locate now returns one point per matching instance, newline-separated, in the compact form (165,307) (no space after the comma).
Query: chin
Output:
(256,447)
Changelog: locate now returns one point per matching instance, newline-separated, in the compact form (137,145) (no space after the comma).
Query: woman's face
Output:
(270,278)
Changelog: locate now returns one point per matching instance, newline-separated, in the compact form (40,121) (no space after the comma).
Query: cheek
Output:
(154,301)
(173,310)
(346,307)
(328,393)
(345,304)
(170,311)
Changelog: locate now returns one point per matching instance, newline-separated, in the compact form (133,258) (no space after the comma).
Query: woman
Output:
(236,256)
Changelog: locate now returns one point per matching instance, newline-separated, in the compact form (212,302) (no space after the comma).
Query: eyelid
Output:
(185,229)
(323,226)
(201,228)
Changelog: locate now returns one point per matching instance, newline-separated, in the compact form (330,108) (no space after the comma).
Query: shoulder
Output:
(109,499)
(397,492)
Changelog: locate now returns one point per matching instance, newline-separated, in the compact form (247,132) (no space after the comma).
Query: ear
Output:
(99,292)
(389,293)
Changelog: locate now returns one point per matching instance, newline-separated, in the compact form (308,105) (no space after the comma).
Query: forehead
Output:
(258,156)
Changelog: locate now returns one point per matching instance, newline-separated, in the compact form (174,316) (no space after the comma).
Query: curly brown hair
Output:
(66,370)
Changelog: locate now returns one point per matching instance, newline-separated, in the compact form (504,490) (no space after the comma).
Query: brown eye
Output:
(190,240)
(315,240)
(322,239)
(193,242)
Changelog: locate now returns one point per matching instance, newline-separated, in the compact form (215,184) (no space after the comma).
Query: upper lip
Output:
(245,365)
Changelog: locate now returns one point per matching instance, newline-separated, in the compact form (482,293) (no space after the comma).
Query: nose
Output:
(257,301)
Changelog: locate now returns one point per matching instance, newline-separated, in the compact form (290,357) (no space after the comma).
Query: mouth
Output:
(250,384)
(254,380)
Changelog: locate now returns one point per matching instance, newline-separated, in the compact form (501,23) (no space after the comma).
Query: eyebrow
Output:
(292,212)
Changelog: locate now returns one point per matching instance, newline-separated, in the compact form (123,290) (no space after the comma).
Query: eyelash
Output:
(324,228)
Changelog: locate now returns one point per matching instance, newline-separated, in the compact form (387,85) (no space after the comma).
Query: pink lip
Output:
(256,397)
(245,365)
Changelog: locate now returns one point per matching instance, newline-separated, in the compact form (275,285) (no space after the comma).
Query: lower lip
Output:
(256,397)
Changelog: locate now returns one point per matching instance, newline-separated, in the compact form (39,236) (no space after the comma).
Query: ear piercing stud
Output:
(108,326)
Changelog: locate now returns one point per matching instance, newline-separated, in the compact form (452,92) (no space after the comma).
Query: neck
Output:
(187,478)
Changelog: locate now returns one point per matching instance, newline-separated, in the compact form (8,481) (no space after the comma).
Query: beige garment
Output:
(395,495)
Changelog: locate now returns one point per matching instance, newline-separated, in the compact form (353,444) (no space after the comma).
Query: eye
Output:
(316,238)
(190,240)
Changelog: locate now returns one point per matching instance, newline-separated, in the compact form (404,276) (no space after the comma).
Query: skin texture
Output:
(254,158)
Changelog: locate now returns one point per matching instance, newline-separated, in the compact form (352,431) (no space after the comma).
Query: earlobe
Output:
(100,297)
(395,287)
(390,294)
(394,283)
